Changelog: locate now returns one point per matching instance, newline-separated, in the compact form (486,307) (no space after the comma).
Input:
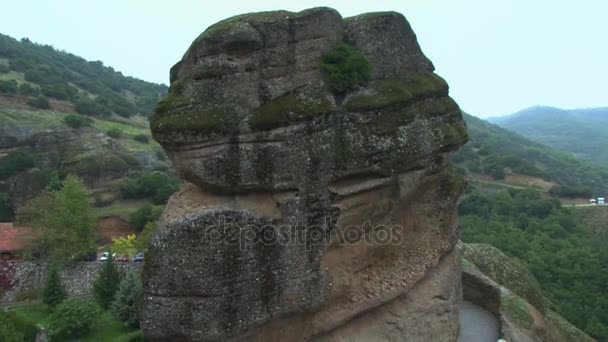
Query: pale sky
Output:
(498,56)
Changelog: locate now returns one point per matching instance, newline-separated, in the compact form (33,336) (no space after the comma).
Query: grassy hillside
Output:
(88,87)
(61,114)
(499,155)
(583,132)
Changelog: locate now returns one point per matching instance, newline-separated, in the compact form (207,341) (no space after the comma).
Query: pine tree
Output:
(127,302)
(106,284)
(53,292)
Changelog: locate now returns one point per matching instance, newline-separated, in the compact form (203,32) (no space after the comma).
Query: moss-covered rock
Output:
(390,92)
(288,108)
(505,271)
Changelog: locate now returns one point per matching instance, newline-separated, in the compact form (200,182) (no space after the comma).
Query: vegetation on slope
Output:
(582,132)
(494,151)
(569,264)
(35,70)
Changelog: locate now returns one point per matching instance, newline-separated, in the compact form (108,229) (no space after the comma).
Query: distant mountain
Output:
(583,132)
(497,153)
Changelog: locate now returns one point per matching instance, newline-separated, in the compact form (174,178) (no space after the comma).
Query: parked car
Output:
(139,257)
(122,258)
(106,255)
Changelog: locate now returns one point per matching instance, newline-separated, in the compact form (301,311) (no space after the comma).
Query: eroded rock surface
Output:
(308,215)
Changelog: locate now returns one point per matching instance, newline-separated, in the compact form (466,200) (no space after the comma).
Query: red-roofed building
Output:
(13,241)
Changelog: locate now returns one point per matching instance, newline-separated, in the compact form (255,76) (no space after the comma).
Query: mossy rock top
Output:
(505,271)
(271,100)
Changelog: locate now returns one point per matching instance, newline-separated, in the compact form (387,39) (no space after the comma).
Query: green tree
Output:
(143,239)
(9,332)
(39,102)
(72,319)
(53,293)
(106,284)
(142,138)
(124,246)
(77,121)
(64,221)
(143,215)
(115,133)
(126,306)
(345,68)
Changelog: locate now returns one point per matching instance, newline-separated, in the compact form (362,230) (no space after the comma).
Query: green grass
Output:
(36,312)
(104,126)
(107,328)
(38,119)
(121,209)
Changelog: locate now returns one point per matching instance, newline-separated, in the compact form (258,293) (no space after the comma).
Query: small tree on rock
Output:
(106,284)
(53,292)
(127,302)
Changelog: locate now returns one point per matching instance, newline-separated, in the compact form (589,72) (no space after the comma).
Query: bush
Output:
(77,121)
(571,191)
(106,284)
(39,102)
(84,105)
(345,68)
(4,69)
(142,138)
(72,319)
(27,90)
(9,332)
(115,133)
(60,91)
(6,210)
(157,186)
(8,87)
(53,293)
(134,336)
(15,162)
(25,326)
(126,306)
(143,215)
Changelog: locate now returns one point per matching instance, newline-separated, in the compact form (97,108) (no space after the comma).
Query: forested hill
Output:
(583,132)
(496,153)
(41,72)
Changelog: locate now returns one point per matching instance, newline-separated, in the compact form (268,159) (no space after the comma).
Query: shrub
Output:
(4,69)
(8,87)
(72,319)
(84,105)
(25,326)
(39,102)
(115,133)
(27,90)
(53,292)
(77,121)
(143,215)
(142,138)
(157,186)
(127,303)
(134,336)
(6,210)
(9,332)
(15,162)
(106,284)
(60,91)
(345,68)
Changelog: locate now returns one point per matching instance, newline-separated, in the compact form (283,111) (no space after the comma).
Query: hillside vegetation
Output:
(34,70)
(494,152)
(61,114)
(583,132)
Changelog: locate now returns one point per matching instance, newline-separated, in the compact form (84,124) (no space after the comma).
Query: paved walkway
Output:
(477,324)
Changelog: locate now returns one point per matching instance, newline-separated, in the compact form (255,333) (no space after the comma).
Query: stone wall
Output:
(23,280)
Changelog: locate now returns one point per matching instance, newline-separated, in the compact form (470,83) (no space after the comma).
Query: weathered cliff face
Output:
(309,215)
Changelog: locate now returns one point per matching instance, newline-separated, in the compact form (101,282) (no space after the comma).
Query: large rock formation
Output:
(308,215)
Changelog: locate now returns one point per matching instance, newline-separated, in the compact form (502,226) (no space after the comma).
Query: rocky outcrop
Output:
(506,288)
(308,215)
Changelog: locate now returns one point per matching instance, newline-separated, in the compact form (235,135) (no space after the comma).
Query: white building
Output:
(600,200)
